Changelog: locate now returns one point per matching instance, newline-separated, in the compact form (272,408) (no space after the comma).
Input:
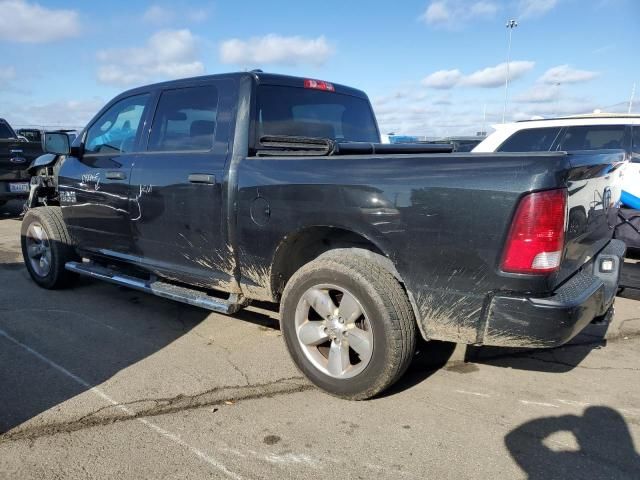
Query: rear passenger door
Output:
(177,185)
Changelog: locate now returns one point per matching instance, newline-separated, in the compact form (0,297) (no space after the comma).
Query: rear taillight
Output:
(319,85)
(536,238)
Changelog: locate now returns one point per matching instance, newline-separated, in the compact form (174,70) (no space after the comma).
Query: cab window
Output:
(185,120)
(593,137)
(530,140)
(635,152)
(311,113)
(116,130)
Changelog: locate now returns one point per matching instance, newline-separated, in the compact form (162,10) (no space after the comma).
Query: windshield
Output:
(313,113)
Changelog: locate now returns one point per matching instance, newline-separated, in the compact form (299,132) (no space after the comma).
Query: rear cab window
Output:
(302,112)
(530,140)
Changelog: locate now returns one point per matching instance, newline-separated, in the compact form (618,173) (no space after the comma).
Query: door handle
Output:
(116,175)
(202,178)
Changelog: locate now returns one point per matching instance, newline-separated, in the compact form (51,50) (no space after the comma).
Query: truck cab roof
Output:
(261,78)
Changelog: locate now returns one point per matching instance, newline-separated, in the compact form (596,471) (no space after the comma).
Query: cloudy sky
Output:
(430,67)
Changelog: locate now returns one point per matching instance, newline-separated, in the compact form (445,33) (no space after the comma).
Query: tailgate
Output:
(594,188)
(15,157)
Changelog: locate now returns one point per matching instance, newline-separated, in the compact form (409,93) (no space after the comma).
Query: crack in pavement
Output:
(114,413)
(227,354)
(233,365)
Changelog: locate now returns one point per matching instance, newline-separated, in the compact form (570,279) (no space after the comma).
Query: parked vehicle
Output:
(599,131)
(582,132)
(35,134)
(15,155)
(219,190)
(31,134)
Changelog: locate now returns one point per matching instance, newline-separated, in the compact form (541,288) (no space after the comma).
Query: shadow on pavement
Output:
(630,276)
(597,444)
(433,355)
(550,360)
(12,210)
(430,357)
(89,335)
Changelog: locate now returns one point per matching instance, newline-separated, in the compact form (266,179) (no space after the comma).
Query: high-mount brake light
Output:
(319,85)
(536,238)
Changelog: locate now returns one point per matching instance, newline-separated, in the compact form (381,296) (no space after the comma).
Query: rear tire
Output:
(46,247)
(348,325)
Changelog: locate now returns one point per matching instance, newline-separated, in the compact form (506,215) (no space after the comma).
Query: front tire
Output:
(348,325)
(46,247)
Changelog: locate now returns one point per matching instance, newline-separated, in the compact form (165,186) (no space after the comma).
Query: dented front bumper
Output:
(517,321)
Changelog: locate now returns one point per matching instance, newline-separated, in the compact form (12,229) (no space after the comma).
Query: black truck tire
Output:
(387,322)
(46,247)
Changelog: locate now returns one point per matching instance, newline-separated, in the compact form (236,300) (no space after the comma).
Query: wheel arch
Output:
(309,243)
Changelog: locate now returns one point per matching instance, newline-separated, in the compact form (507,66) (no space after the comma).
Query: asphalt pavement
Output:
(100,381)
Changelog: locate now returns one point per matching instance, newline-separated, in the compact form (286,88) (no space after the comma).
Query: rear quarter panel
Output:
(441,219)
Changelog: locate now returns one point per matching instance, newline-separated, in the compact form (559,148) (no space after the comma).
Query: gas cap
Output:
(260,211)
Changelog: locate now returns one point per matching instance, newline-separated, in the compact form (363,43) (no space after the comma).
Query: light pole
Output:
(511,24)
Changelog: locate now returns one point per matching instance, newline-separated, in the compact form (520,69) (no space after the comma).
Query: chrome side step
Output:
(160,289)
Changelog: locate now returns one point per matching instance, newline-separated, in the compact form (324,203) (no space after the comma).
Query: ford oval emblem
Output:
(18,160)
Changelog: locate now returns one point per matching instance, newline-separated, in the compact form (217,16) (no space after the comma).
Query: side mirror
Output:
(56,143)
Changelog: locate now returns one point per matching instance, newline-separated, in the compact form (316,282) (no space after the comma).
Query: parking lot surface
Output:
(104,382)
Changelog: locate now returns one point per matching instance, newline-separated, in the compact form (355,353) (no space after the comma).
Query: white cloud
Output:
(442,100)
(535,8)
(7,74)
(455,13)
(60,113)
(432,122)
(161,15)
(198,15)
(167,54)
(483,9)
(275,49)
(566,74)
(561,107)
(443,79)
(491,77)
(25,22)
(437,12)
(539,94)
(157,14)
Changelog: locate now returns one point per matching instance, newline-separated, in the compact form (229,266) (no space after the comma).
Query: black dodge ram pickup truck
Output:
(219,190)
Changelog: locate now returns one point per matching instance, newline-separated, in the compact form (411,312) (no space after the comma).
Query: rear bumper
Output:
(516,321)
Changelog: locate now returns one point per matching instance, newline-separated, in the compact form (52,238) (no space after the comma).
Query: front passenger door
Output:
(94,189)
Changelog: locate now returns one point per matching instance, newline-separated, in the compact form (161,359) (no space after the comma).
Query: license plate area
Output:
(21,187)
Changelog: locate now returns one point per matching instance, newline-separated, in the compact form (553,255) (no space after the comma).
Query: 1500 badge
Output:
(67,196)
